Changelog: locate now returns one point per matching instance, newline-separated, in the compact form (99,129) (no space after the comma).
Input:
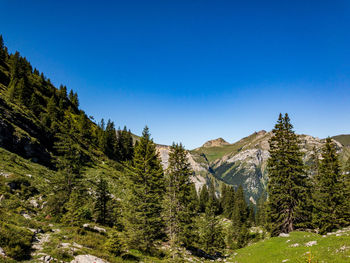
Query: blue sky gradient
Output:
(193,70)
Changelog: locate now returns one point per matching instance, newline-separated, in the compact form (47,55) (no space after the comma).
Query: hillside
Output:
(344,139)
(244,162)
(298,247)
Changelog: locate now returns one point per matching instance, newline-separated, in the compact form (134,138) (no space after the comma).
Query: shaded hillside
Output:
(344,139)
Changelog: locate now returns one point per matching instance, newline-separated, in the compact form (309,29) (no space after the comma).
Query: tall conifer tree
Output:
(329,191)
(288,184)
(143,200)
(178,213)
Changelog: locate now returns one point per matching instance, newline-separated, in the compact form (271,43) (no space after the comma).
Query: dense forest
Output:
(92,174)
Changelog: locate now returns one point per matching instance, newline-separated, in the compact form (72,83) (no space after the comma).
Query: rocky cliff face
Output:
(200,166)
(216,142)
(241,163)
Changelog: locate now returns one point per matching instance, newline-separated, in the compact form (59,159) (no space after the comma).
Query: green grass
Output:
(277,249)
(344,139)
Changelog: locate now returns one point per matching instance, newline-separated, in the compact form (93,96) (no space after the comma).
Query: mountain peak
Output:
(217,142)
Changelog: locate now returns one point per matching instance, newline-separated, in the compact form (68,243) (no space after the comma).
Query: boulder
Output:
(87,259)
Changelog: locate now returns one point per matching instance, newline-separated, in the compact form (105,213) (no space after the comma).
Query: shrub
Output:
(15,241)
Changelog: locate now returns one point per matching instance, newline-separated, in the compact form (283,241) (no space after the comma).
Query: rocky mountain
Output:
(216,142)
(243,162)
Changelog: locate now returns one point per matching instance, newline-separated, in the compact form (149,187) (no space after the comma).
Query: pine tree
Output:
(73,97)
(211,233)
(177,210)
(102,199)
(203,198)
(114,243)
(288,189)
(328,191)
(346,183)
(238,229)
(143,200)
(23,91)
(77,213)
(227,200)
(3,52)
(83,126)
(110,140)
(34,104)
(260,217)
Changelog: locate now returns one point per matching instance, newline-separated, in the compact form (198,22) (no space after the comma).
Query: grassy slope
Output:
(217,152)
(330,248)
(13,167)
(344,139)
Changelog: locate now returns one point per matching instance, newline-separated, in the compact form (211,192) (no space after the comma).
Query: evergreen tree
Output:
(34,104)
(143,200)
(3,53)
(203,198)
(51,108)
(124,145)
(77,213)
(110,140)
(102,199)
(288,189)
(211,233)
(114,243)
(329,191)
(101,136)
(346,182)
(83,126)
(239,219)
(260,217)
(177,212)
(227,200)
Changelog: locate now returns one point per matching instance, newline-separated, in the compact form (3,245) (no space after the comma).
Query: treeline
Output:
(314,196)
(57,114)
(156,205)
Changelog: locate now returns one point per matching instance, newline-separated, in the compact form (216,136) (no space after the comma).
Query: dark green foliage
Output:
(238,232)
(34,104)
(84,126)
(261,216)
(329,195)
(51,108)
(143,201)
(124,145)
(203,198)
(211,233)
(288,189)
(77,209)
(102,200)
(73,97)
(110,140)
(16,241)
(227,200)
(178,211)
(346,182)
(3,51)
(114,244)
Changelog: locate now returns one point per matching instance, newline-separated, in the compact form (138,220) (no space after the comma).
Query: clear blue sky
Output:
(193,70)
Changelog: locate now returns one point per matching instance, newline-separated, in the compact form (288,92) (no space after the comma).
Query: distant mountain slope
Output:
(344,139)
(244,162)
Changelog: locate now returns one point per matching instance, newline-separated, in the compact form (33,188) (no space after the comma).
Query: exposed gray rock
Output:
(96,228)
(2,252)
(87,259)
(311,243)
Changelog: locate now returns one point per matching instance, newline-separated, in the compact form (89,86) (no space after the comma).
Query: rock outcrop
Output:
(215,143)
